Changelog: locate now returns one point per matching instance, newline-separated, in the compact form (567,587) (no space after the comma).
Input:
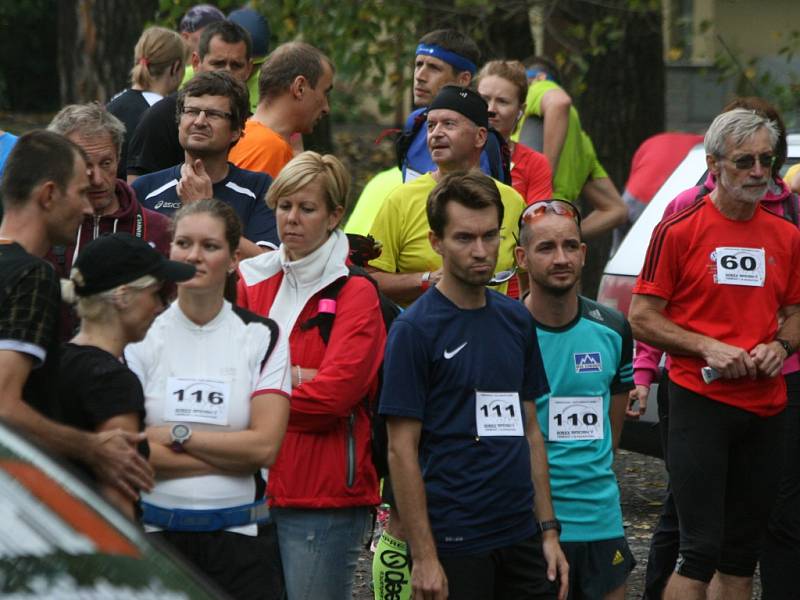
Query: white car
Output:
(622,269)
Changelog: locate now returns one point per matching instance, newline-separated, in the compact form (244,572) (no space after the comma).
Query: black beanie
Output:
(463,101)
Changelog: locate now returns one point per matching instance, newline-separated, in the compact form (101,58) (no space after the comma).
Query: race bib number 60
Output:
(197,400)
(740,266)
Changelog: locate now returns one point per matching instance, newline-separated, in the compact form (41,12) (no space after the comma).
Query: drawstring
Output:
(77,244)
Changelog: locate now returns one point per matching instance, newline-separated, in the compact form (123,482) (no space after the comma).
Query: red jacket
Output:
(325,460)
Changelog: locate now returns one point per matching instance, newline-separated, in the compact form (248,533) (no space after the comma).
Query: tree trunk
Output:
(623,102)
(95,46)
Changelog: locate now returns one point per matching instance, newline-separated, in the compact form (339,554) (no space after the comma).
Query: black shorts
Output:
(597,568)
(243,566)
(516,572)
(724,465)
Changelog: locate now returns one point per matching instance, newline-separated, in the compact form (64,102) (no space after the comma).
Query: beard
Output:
(739,192)
(555,290)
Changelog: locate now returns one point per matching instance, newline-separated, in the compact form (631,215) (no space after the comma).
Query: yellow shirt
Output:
(401,225)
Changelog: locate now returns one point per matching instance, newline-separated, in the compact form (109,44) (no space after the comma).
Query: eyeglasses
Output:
(503,276)
(193,112)
(748,161)
(557,207)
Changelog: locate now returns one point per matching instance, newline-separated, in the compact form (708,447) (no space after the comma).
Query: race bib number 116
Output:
(197,400)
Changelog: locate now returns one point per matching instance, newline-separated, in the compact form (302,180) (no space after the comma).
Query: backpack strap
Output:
(403,141)
(499,155)
(702,192)
(790,209)
(327,303)
(327,310)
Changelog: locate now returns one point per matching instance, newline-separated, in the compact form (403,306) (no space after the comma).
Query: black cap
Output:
(463,101)
(119,258)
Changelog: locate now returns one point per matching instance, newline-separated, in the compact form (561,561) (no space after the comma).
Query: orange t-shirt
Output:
(261,149)
(725,279)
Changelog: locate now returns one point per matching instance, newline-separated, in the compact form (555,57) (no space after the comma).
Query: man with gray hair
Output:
(719,293)
(114,204)
(293,90)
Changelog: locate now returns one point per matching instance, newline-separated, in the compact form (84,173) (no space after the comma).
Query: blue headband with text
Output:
(459,63)
(533,73)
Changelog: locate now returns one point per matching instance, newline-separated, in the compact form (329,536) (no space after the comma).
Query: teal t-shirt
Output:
(586,361)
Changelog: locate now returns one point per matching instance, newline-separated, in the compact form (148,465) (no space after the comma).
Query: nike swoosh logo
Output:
(448,354)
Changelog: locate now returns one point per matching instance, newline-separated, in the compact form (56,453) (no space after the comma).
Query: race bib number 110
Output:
(573,419)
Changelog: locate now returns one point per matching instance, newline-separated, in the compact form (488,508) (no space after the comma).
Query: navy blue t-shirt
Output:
(243,190)
(479,489)
(418,158)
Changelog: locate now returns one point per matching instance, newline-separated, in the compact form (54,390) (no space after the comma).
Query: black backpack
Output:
(324,322)
(496,149)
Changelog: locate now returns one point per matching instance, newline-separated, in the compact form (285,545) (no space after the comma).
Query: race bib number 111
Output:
(498,414)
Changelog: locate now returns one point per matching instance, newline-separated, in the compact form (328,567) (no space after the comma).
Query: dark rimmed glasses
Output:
(193,112)
(748,161)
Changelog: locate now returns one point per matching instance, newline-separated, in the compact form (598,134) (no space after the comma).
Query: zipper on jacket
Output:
(351,450)
(96,229)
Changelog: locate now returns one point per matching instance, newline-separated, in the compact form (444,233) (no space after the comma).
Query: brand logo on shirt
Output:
(588,362)
(448,354)
(596,314)
(162,204)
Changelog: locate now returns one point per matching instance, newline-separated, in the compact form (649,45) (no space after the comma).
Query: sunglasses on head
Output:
(748,161)
(556,207)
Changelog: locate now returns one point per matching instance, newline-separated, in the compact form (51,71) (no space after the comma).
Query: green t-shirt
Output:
(578,161)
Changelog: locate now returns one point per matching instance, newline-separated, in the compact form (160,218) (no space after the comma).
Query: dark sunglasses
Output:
(556,207)
(748,161)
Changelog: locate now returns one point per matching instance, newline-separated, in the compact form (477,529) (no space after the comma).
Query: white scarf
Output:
(301,278)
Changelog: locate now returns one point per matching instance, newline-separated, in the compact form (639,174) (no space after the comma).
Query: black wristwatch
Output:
(552,524)
(786,346)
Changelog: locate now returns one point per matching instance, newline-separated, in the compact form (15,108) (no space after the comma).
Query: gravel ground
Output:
(642,482)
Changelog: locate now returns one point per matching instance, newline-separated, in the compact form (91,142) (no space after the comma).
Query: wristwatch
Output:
(552,524)
(786,346)
(179,434)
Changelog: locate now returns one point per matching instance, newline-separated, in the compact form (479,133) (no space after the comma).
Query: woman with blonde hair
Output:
(159,60)
(323,483)
(116,283)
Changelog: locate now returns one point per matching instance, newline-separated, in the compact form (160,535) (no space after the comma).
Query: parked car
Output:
(60,539)
(622,269)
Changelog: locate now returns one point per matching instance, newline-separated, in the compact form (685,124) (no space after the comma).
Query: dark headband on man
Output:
(458,62)
(464,101)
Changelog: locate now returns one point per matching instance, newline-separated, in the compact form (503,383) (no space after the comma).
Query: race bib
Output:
(498,414)
(574,419)
(740,266)
(197,400)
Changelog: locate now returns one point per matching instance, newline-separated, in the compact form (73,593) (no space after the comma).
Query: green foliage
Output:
(752,78)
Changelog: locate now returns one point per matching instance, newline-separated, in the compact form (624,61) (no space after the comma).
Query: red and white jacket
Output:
(325,460)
